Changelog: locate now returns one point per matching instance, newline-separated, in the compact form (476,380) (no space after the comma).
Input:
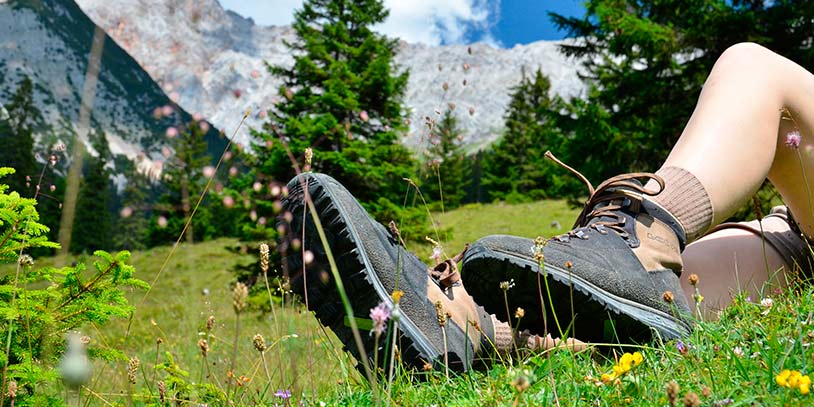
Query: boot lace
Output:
(605,193)
(446,272)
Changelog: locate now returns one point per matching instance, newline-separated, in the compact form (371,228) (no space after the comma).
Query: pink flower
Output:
(380,314)
(208,171)
(793,139)
(126,212)
(228,201)
(162,222)
(257,186)
(363,115)
(172,132)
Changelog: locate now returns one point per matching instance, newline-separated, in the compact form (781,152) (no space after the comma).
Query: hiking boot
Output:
(610,279)
(439,324)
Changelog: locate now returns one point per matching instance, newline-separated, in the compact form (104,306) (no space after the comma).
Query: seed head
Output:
(309,154)
(26,260)
(132,367)
(259,343)
(11,390)
(162,391)
(239,296)
(668,297)
(693,279)
(673,389)
(519,313)
(691,400)
(440,313)
(204,346)
(264,257)
(210,322)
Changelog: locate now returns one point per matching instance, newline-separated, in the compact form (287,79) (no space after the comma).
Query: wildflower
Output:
(522,380)
(668,297)
(396,296)
(363,116)
(738,351)
(519,313)
(379,314)
(171,132)
(793,379)
(283,394)
(793,139)
(309,155)
(307,257)
(210,322)
(507,285)
(767,303)
(436,254)
(626,362)
(162,222)
(693,279)
(682,348)
(722,403)
(126,212)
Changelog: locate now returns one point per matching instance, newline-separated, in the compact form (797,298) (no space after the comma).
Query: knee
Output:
(744,54)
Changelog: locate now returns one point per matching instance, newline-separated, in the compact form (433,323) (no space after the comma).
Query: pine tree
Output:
(93,225)
(515,168)
(131,225)
(183,182)
(16,137)
(447,176)
(343,98)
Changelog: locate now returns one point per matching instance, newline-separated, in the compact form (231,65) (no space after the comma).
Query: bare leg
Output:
(734,139)
(729,262)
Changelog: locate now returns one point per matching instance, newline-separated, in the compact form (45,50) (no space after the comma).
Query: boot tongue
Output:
(617,197)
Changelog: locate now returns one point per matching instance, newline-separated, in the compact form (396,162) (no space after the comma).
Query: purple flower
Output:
(793,139)
(380,314)
(682,347)
(284,394)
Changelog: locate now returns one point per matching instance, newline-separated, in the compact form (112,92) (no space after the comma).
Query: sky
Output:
(501,23)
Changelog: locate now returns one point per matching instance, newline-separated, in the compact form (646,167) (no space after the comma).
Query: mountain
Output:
(212,61)
(50,41)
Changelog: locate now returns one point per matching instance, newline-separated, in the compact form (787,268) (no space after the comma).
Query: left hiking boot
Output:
(439,323)
(613,278)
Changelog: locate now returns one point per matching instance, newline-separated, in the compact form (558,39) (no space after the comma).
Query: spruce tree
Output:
(343,98)
(515,168)
(131,225)
(17,140)
(93,225)
(447,177)
(183,183)
(646,61)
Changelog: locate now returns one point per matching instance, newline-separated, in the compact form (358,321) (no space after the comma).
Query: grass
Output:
(733,361)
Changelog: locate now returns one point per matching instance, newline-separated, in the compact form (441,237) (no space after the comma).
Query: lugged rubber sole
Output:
(359,277)
(583,310)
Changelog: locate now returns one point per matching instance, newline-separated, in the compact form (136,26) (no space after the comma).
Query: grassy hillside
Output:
(737,360)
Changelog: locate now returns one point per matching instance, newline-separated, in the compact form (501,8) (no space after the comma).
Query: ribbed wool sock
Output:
(504,336)
(686,199)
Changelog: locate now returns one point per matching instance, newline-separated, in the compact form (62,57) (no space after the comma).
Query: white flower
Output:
(738,351)
(767,303)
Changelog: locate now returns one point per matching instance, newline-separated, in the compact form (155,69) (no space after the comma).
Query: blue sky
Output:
(501,23)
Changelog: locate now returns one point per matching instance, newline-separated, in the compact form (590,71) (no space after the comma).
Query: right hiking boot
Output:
(614,278)
(440,325)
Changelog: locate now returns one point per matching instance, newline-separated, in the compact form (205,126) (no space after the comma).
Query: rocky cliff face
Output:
(50,41)
(212,61)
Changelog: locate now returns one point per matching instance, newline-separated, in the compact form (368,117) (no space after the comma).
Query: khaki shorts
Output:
(781,233)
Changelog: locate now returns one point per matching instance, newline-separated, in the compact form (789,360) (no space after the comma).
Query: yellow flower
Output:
(783,378)
(625,363)
(793,379)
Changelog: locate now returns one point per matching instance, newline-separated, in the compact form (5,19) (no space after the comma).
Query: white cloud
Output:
(426,21)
